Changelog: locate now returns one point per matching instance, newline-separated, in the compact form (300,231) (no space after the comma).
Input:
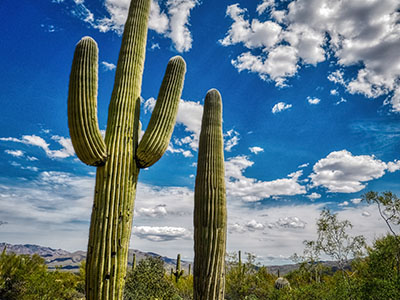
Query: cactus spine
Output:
(178,272)
(118,158)
(210,205)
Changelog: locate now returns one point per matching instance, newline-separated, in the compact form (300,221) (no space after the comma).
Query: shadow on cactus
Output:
(120,156)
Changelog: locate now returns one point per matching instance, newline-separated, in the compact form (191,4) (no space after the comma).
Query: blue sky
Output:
(311,99)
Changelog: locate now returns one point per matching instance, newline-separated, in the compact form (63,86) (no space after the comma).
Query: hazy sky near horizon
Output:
(311,102)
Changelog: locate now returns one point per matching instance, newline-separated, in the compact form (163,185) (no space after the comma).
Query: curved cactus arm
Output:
(158,133)
(210,205)
(82,105)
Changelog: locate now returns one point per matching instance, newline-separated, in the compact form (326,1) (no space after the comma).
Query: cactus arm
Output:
(82,105)
(158,133)
(210,205)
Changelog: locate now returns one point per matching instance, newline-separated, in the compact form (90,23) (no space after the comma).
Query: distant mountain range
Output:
(68,261)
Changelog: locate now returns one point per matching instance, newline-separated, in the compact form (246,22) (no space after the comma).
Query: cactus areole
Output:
(120,156)
(210,205)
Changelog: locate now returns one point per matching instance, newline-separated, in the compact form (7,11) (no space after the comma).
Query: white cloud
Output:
(108,66)
(254,35)
(155,46)
(231,139)
(189,115)
(334,92)
(314,196)
(67,149)
(179,12)
(256,149)
(360,34)
(366,214)
(254,225)
(342,172)
(15,153)
(291,222)
(342,100)
(60,203)
(161,234)
(280,106)
(154,212)
(158,20)
(356,200)
(344,203)
(266,4)
(313,100)
(303,165)
(172,24)
(250,189)
(149,105)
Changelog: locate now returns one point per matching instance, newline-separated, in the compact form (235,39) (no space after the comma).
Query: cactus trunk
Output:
(210,205)
(117,173)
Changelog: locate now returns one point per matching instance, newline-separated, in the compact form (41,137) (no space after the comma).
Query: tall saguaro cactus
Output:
(120,156)
(210,205)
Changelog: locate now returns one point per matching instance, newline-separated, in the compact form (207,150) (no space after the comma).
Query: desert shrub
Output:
(149,282)
(25,277)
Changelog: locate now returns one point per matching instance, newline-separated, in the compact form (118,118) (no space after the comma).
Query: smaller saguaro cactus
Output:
(210,205)
(190,268)
(134,261)
(178,272)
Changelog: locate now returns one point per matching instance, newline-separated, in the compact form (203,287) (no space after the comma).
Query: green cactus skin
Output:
(118,164)
(210,205)
(178,272)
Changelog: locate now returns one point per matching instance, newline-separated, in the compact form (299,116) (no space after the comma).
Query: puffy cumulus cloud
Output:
(265,5)
(314,196)
(356,200)
(15,153)
(256,149)
(313,100)
(172,24)
(154,212)
(108,66)
(67,149)
(185,153)
(231,139)
(253,35)
(360,34)
(334,92)
(179,12)
(250,189)
(161,234)
(149,104)
(189,115)
(342,172)
(291,222)
(251,225)
(279,64)
(280,106)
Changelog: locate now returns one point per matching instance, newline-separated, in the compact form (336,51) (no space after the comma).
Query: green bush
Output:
(148,282)
(25,277)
